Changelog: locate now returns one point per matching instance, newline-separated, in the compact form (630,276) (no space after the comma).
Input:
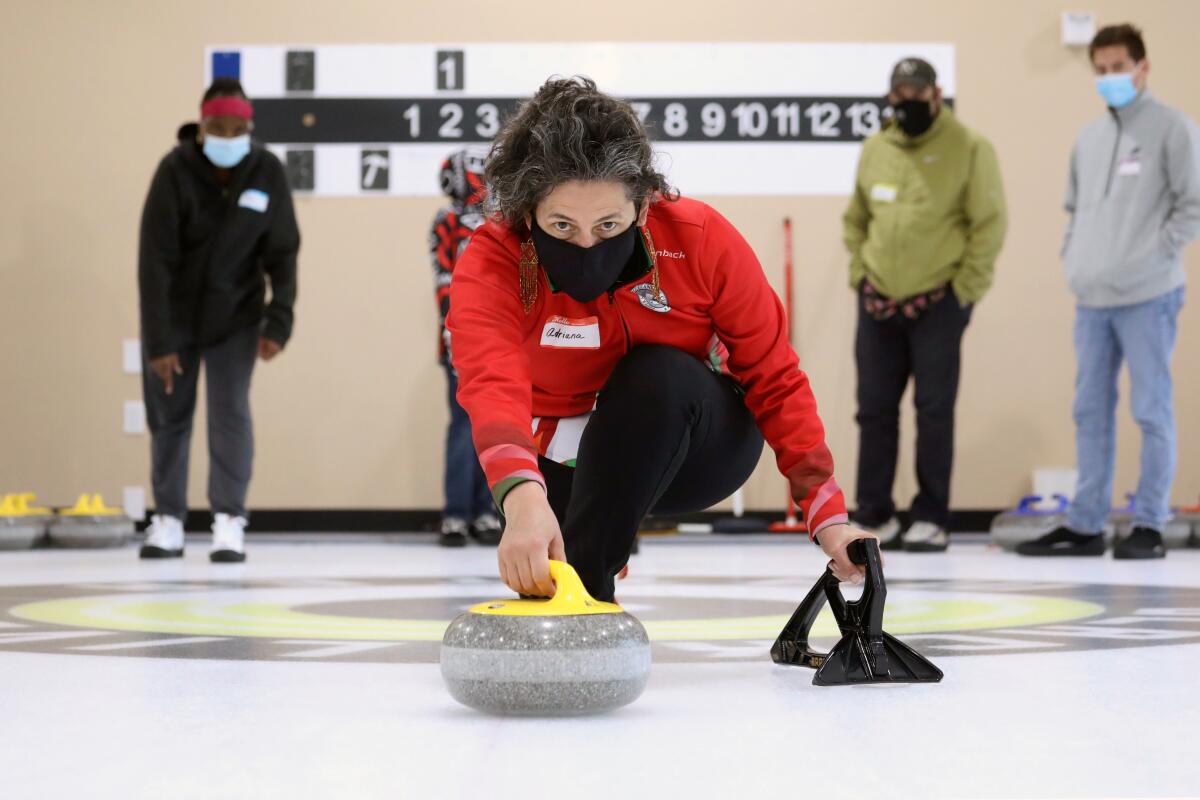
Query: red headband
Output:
(227,107)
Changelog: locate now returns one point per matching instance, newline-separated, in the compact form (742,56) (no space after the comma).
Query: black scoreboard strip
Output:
(394,120)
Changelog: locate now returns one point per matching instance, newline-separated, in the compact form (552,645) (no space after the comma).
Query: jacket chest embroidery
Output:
(648,296)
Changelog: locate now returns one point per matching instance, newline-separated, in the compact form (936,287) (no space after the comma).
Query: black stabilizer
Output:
(865,654)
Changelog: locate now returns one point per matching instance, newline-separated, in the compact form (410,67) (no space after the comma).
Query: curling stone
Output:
(566,656)
(1176,533)
(1028,521)
(22,525)
(1191,515)
(866,653)
(91,524)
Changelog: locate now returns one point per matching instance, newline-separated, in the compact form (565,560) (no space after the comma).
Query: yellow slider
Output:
(570,599)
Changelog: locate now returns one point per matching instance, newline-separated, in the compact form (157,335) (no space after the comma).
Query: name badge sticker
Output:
(255,200)
(571,334)
(884,192)
(1129,166)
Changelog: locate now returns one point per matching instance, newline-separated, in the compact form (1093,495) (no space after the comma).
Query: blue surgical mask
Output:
(226,153)
(1117,89)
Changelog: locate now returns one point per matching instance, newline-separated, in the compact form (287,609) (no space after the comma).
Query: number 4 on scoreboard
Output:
(450,70)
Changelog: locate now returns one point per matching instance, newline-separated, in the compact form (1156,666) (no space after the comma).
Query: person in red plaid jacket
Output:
(468,509)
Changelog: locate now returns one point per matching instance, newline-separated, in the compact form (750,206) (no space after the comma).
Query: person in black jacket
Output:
(217,227)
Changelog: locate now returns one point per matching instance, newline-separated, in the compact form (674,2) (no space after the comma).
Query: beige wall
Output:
(352,414)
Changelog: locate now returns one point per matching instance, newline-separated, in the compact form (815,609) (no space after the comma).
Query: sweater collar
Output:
(1131,111)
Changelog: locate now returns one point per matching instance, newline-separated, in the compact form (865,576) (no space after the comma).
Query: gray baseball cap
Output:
(914,71)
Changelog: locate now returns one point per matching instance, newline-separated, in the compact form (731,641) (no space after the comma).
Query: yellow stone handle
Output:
(18,505)
(569,594)
(570,599)
(90,506)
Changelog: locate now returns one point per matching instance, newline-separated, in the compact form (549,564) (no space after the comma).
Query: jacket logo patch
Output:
(255,200)
(645,295)
(571,334)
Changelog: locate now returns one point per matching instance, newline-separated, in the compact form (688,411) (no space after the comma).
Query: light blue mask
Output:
(1117,89)
(226,153)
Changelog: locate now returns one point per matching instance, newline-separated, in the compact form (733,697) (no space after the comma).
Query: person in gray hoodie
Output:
(1134,200)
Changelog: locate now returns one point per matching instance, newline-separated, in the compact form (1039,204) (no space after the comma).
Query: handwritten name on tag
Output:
(884,192)
(254,199)
(1129,166)
(579,334)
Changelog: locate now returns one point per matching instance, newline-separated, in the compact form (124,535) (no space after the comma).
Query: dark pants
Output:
(668,435)
(888,353)
(466,488)
(228,366)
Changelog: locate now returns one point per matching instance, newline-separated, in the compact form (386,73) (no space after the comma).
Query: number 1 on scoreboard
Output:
(450,70)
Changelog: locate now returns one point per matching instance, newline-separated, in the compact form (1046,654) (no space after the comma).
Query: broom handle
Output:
(787,307)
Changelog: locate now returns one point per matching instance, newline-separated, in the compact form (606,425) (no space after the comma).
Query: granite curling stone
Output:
(565,656)
(22,525)
(1176,533)
(1027,521)
(91,524)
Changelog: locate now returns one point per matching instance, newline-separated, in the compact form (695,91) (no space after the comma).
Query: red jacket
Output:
(552,361)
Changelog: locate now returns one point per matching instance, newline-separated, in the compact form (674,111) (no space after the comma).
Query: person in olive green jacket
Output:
(925,224)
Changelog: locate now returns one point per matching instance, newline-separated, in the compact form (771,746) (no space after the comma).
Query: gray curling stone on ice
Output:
(22,525)
(1027,521)
(565,656)
(91,524)
(1191,515)
(1176,533)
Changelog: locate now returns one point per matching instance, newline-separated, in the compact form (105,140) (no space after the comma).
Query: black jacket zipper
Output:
(612,301)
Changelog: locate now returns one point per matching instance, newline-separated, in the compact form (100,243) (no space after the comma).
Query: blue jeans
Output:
(467,492)
(1144,336)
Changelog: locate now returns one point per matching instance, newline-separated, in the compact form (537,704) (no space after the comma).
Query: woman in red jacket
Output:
(619,350)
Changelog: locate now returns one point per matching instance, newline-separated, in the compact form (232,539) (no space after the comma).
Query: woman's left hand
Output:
(268,348)
(834,540)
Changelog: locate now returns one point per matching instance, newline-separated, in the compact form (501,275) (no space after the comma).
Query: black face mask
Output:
(913,116)
(584,273)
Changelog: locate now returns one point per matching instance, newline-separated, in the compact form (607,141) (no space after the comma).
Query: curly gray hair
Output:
(569,130)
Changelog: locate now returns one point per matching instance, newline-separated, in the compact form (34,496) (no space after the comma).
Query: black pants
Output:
(889,352)
(669,436)
(228,366)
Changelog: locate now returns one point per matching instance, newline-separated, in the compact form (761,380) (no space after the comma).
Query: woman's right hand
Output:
(531,538)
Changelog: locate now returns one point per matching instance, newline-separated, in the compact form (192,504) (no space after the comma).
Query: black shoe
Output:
(454,533)
(1141,543)
(487,530)
(150,551)
(1062,541)
(925,537)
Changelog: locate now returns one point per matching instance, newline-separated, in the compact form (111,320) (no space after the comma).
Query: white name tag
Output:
(254,199)
(1129,166)
(884,192)
(579,334)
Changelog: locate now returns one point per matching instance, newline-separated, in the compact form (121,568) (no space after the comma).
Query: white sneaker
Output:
(486,529)
(164,538)
(229,535)
(888,533)
(925,537)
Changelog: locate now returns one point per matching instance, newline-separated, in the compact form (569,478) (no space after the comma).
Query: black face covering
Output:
(584,273)
(914,116)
